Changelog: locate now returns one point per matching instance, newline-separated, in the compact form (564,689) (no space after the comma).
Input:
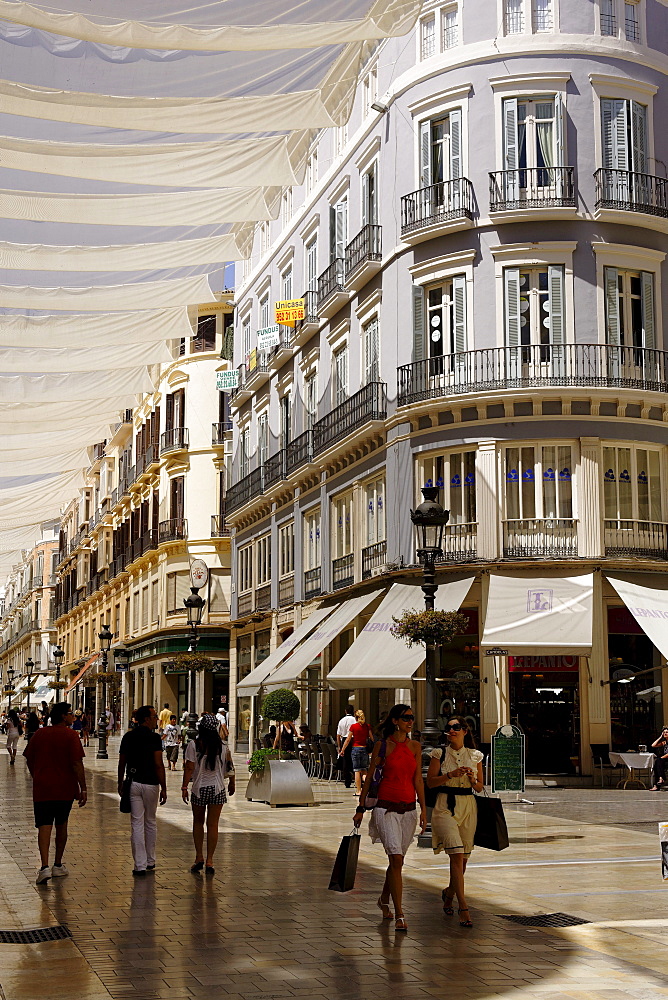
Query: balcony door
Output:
(624,145)
(338,229)
(176,498)
(533,149)
(441,163)
(534,322)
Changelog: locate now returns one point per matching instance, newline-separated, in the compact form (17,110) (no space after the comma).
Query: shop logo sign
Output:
(539,600)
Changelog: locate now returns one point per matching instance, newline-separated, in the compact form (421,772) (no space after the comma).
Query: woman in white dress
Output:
(456,773)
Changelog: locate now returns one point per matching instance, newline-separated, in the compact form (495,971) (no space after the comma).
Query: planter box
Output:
(282,783)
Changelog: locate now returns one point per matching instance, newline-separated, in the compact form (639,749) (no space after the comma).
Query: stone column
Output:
(488,501)
(598,697)
(494,679)
(589,500)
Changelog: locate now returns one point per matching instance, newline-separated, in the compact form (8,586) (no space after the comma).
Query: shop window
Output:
(459,676)
(636,708)
(262,645)
(538,482)
(632,484)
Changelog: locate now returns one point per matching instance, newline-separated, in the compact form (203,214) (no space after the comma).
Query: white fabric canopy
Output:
(546,615)
(43,417)
(376,658)
(27,389)
(140,295)
(52,462)
(251,684)
(135,257)
(92,329)
(314,643)
(646,597)
(32,499)
(83,359)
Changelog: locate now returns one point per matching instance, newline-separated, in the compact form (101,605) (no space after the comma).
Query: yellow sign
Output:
(289,312)
(251,362)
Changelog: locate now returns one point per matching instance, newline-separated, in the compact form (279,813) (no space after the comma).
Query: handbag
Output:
(491,830)
(124,805)
(372,794)
(345,866)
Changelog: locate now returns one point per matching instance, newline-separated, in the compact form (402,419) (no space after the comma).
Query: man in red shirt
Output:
(54,756)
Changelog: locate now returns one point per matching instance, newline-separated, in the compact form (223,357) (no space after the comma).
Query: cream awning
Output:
(252,683)
(376,658)
(648,603)
(313,644)
(547,615)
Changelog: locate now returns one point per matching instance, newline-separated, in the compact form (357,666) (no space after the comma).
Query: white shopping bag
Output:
(663,841)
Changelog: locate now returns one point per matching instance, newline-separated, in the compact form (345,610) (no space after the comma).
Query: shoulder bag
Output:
(372,795)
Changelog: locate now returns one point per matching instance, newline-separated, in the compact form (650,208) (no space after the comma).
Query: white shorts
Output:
(12,741)
(395,831)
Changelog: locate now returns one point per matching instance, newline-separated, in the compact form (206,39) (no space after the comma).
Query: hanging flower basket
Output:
(429,628)
(105,675)
(9,692)
(29,689)
(58,685)
(191,661)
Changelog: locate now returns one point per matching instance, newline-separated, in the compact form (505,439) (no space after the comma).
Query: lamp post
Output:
(10,686)
(194,605)
(58,657)
(30,666)
(121,659)
(430,520)
(105,638)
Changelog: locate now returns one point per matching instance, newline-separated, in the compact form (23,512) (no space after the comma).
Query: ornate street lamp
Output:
(194,605)
(9,686)
(121,660)
(430,520)
(58,657)
(105,638)
(30,666)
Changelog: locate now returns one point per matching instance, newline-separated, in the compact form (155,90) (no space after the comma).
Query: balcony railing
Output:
(546,537)
(442,202)
(310,298)
(370,403)
(627,191)
(172,530)
(263,597)
(459,542)
(299,451)
(636,538)
(245,604)
(286,591)
(365,248)
(331,281)
(257,367)
(246,489)
(98,450)
(531,187)
(373,557)
(274,469)
(174,439)
(312,583)
(343,571)
(608,24)
(219,528)
(219,430)
(532,367)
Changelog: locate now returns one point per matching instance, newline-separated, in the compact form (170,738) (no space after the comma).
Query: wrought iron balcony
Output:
(286,591)
(373,557)
(312,583)
(532,367)
(531,187)
(542,537)
(307,326)
(299,451)
(370,403)
(627,191)
(244,490)
(274,469)
(279,354)
(429,207)
(331,290)
(98,450)
(363,255)
(172,530)
(218,432)
(219,528)
(242,392)
(174,439)
(459,542)
(343,571)
(258,370)
(648,539)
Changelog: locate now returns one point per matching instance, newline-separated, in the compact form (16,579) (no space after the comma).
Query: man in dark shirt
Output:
(54,756)
(141,756)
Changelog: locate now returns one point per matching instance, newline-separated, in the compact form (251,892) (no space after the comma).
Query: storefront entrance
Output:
(636,708)
(545,704)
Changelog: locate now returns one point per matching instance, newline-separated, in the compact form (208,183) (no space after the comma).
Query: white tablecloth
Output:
(634,761)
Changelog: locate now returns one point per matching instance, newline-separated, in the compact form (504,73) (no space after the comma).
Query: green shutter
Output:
(459,296)
(555,281)
(425,154)
(612,327)
(649,340)
(511,277)
(418,324)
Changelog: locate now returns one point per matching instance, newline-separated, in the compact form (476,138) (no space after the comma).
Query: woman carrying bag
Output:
(208,763)
(456,773)
(394,816)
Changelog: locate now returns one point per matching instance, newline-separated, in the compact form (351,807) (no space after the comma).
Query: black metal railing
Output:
(343,571)
(174,439)
(331,281)
(286,591)
(173,529)
(531,187)
(257,364)
(548,537)
(274,469)
(370,403)
(312,583)
(636,538)
(286,338)
(263,597)
(150,455)
(366,247)
(608,24)
(299,451)
(442,202)
(531,367)
(459,542)
(310,298)
(219,528)
(241,382)
(219,430)
(241,492)
(631,30)
(373,557)
(98,450)
(628,191)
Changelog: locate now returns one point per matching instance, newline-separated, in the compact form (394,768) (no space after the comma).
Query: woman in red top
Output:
(359,735)
(394,816)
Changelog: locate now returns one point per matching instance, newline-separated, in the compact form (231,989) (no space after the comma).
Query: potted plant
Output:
(273,778)
(428,628)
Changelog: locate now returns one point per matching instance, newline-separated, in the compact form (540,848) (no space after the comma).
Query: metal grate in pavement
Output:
(545,920)
(35,936)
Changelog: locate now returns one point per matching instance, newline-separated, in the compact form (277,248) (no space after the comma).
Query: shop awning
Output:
(313,644)
(546,615)
(376,658)
(251,684)
(646,597)
(87,665)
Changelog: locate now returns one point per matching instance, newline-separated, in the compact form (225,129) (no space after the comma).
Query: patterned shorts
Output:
(208,796)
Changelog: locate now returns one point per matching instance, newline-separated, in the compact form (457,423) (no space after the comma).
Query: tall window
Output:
(632,22)
(205,338)
(311,259)
(454,474)
(370,89)
(542,15)
(446,317)
(375,511)
(441,148)
(340,138)
(263,560)
(286,549)
(175,409)
(311,399)
(342,528)
(244,452)
(311,171)
(245,337)
(371,351)
(533,132)
(286,283)
(262,438)
(513,11)
(449,28)
(538,482)
(428,36)
(608,18)
(286,419)
(534,306)
(340,376)
(624,125)
(286,207)
(176,497)
(312,552)
(632,484)
(338,229)
(245,563)
(370,196)
(264,237)
(264,312)
(629,308)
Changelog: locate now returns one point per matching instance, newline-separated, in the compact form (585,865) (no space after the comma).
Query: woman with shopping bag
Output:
(393,783)
(455,773)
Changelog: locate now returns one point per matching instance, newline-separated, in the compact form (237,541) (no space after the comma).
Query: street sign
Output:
(225,381)
(269,337)
(121,668)
(496,651)
(289,311)
(508,772)
(199,573)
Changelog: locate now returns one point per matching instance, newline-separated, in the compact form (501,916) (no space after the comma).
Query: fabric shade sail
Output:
(251,684)
(44,332)
(107,298)
(82,359)
(312,645)
(546,615)
(376,658)
(646,597)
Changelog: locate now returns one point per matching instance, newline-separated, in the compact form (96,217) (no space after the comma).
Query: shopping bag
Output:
(663,842)
(125,806)
(345,866)
(491,830)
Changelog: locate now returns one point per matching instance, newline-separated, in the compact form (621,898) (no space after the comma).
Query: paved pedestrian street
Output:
(265,927)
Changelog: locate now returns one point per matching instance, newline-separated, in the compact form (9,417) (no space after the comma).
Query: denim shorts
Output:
(360,759)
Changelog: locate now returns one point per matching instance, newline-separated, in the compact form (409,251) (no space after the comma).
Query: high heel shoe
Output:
(385,907)
(447,903)
(400,923)
(464,923)
(197,867)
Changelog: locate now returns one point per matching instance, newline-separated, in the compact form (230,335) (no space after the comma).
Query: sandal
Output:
(209,870)
(464,923)
(385,907)
(197,867)
(447,903)
(400,923)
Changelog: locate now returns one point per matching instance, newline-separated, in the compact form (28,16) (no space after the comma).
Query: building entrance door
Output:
(545,704)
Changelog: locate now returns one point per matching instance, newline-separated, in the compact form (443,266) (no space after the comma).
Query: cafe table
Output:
(635,762)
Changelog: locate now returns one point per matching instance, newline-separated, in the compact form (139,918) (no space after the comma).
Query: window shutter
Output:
(459,296)
(365,200)
(555,281)
(648,309)
(341,210)
(611,306)
(425,154)
(510,134)
(169,412)
(615,144)
(559,130)
(639,137)
(418,324)
(512,305)
(455,143)
(332,233)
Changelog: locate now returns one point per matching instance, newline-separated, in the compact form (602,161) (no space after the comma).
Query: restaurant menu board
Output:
(289,312)
(508,760)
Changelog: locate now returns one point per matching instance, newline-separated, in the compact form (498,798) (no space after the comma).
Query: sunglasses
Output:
(407,718)
(456,727)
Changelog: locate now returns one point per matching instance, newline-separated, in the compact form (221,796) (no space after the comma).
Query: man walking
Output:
(54,756)
(141,755)
(342,731)
(171,737)
(165,716)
